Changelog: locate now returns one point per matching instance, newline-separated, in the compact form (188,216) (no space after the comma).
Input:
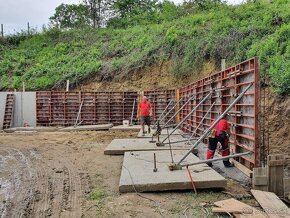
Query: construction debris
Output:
(237,209)
(271,204)
(87,128)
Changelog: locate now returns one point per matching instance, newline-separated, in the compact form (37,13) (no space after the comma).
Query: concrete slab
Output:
(137,170)
(34,129)
(163,132)
(126,128)
(120,146)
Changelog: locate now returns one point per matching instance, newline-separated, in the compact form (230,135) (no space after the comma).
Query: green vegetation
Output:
(198,33)
(98,195)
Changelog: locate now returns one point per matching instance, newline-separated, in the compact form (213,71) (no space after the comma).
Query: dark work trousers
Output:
(212,145)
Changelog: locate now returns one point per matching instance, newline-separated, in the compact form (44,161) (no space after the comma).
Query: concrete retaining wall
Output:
(24,110)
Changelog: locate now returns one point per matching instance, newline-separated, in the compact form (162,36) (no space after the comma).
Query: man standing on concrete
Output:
(220,134)
(145,112)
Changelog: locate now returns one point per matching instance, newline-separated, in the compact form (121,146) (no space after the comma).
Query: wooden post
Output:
(276,174)
(67,85)
(2,30)
(260,178)
(28,28)
(23,86)
(223,64)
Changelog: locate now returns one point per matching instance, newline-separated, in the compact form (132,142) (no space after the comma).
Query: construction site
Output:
(83,154)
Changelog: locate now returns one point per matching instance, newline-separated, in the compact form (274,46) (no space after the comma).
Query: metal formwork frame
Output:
(61,108)
(159,100)
(243,116)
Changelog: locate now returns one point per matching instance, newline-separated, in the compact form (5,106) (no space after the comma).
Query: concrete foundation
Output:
(120,146)
(137,171)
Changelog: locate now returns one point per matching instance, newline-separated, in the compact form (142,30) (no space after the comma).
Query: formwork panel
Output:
(243,117)
(62,108)
(159,100)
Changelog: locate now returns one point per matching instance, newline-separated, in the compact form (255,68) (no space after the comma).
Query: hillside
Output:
(185,44)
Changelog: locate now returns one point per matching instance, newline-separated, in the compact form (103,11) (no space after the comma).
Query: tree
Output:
(70,16)
(133,12)
(98,11)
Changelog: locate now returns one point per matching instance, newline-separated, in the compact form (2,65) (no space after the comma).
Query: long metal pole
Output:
(78,117)
(170,111)
(192,97)
(215,123)
(216,159)
(132,114)
(185,118)
(194,132)
(161,116)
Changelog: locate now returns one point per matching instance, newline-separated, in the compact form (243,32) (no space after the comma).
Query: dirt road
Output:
(66,175)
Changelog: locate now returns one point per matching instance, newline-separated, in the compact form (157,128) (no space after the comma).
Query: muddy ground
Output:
(61,174)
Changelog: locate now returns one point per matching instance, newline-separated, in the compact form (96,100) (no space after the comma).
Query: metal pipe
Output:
(215,123)
(132,114)
(163,113)
(190,99)
(185,118)
(78,116)
(216,159)
(155,168)
(175,142)
(194,132)
(171,110)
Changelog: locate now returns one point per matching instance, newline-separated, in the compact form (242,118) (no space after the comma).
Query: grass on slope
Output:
(233,32)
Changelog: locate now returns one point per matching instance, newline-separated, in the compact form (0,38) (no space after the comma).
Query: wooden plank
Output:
(242,168)
(287,188)
(260,178)
(276,175)
(245,211)
(230,210)
(271,204)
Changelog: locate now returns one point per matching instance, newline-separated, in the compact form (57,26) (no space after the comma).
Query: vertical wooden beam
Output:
(2,30)
(67,85)
(23,86)
(223,64)
(276,174)
(260,178)
(28,28)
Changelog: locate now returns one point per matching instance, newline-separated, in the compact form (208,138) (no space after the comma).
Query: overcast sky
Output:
(14,14)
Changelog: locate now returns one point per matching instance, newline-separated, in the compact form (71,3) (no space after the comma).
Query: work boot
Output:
(228,164)
(209,154)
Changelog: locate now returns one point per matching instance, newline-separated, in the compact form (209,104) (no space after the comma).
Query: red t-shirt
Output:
(145,108)
(222,126)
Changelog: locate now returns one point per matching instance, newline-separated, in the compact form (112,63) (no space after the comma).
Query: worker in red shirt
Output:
(220,134)
(145,112)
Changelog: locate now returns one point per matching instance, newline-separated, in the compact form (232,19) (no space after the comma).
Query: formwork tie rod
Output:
(215,123)
(184,119)
(216,159)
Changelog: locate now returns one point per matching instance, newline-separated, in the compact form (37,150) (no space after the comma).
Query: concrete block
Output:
(120,146)
(87,128)
(137,171)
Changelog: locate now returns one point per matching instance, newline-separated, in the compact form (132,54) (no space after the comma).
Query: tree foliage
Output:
(71,16)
